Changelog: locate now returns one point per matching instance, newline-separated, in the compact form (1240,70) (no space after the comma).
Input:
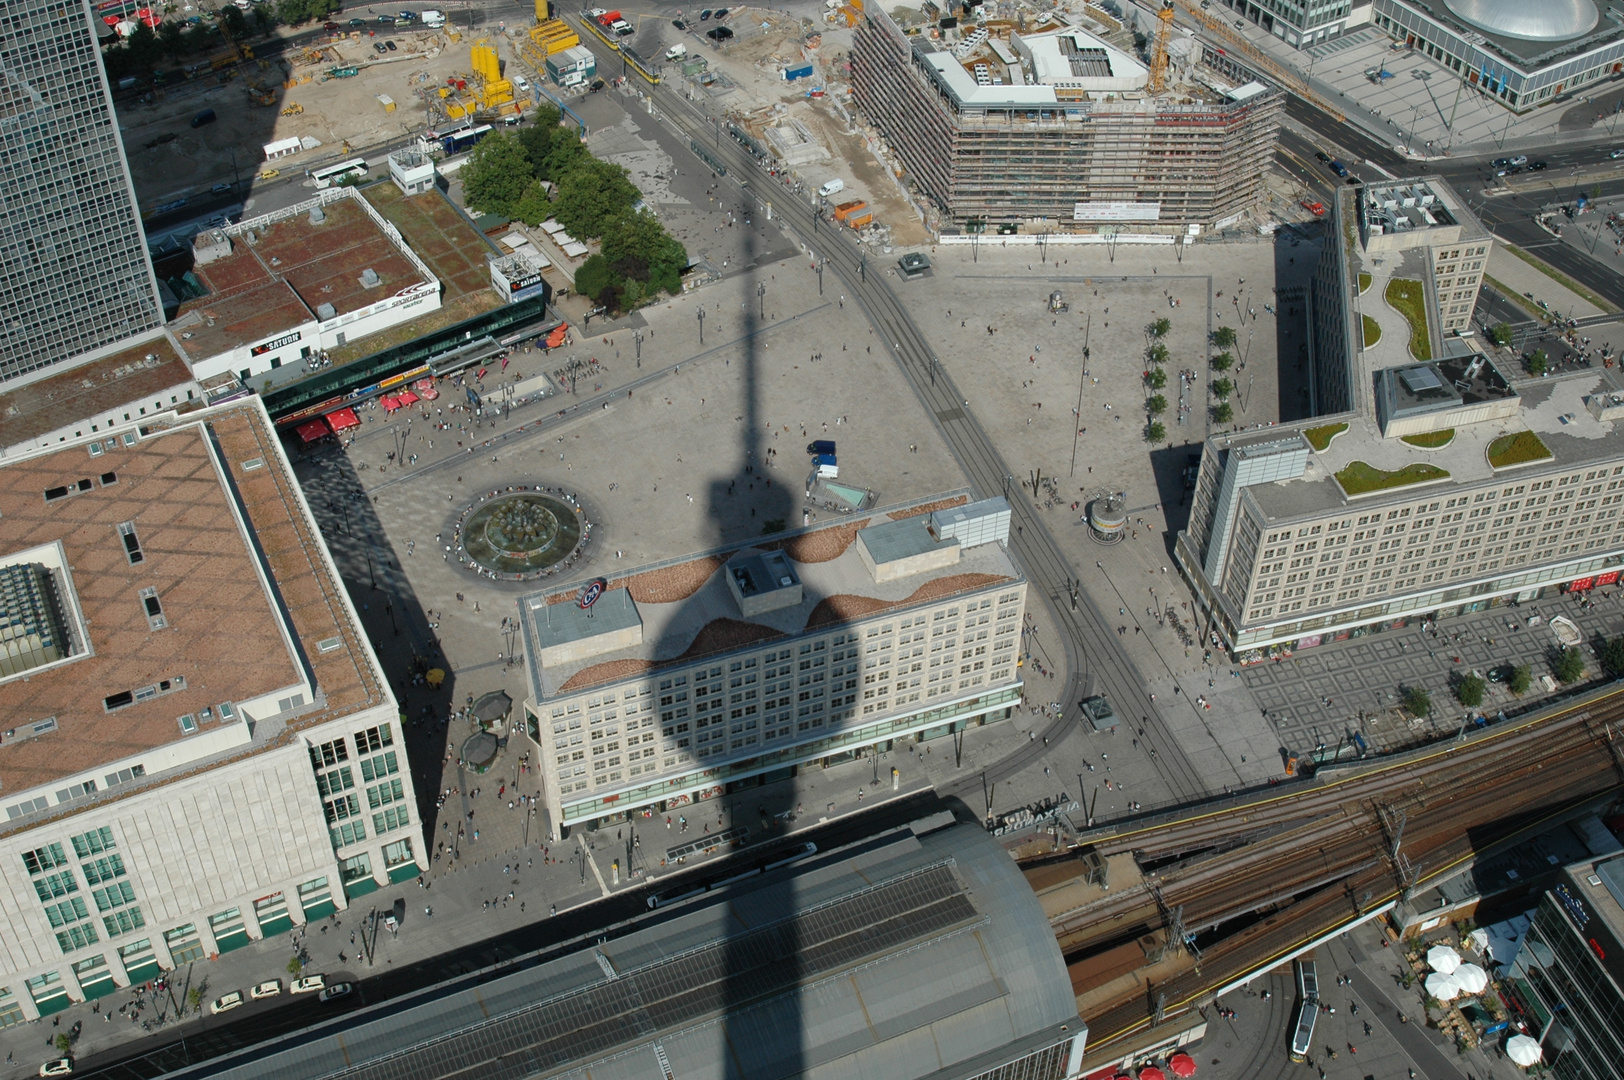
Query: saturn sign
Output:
(591,591)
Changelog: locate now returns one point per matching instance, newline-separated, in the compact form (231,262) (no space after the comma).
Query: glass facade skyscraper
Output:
(74,272)
(1568,977)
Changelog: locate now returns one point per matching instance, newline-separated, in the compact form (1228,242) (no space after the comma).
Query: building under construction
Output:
(997,124)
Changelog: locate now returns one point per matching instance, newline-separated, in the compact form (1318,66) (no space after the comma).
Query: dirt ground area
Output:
(757,95)
(344,115)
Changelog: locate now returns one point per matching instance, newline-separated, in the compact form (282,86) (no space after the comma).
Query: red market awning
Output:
(312,430)
(1151,1072)
(1181,1065)
(408,398)
(343,418)
(390,404)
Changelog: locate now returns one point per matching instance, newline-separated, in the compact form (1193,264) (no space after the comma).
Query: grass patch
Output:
(1320,437)
(1373,331)
(1408,298)
(1364,283)
(1359,478)
(1516,449)
(1558,277)
(1431,440)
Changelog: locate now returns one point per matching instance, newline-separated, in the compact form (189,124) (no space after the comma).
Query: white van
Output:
(433,19)
(676,51)
(833,187)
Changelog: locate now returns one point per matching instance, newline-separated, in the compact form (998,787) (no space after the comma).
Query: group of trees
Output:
(595,200)
(146,49)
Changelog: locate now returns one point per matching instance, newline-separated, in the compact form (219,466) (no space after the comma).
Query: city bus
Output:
(457,142)
(332,174)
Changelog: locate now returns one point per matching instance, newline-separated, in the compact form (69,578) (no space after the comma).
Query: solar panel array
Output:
(727,974)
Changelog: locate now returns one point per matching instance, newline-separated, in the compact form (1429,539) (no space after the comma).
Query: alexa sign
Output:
(590,593)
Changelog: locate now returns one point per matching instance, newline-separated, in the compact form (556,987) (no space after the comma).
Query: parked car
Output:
(1315,208)
(1500,673)
(1324,158)
(59,1067)
(703,15)
(269,989)
(386,20)
(1616,154)
(226,1002)
(390,45)
(220,189)
(358,22)
(720,33)
(329,26)
(1520,159)
(1338,168)
(1536,166)
(337,990)
(720,13)
(1240,24)
(308,985)
(377,47)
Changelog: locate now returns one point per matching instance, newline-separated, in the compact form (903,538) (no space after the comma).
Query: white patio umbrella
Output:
(1472,979)
(1443,959)
(1443,987)
(1523,1050)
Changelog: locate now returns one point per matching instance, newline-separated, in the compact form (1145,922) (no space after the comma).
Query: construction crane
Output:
(1158,52)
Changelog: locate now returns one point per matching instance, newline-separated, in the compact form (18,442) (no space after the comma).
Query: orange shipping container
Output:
(847,209)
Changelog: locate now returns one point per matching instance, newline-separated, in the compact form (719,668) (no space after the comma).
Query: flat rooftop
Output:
(1553,409)
(277,280)
(687,609)
(1440,385)
(87,391)
(1600,885)
(902,956)
(247,602)
(1412,205)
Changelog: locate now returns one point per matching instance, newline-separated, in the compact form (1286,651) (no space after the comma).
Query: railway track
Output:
(1457,801)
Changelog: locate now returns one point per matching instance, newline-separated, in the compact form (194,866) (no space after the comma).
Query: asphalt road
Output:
(1097,660)
(1569,171)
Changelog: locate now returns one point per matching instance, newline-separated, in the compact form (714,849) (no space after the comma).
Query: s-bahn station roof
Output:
(916,953)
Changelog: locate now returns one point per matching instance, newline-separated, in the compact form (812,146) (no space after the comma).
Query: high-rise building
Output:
(74,271)
(1302,22)
(722,670)
(1567,980)
(197,745)
(1063,125)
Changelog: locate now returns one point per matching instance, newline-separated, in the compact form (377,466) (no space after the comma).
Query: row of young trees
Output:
(595,200)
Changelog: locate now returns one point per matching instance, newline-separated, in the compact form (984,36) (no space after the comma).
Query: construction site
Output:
(1059,119)
(348,94)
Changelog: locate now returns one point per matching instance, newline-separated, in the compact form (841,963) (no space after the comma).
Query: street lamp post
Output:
(637,340)
(701,314)
(761,300)
(819,269)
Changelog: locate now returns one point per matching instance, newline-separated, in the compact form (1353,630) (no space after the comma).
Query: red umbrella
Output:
(1181,1065)
(312,430)
(390,404)
(1151,1072)
(407,398)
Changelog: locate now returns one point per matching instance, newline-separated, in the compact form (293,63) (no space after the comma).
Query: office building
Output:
(74,272)
(917,953)
(288,285)
(1421,231)
(198,747)
(1302,22)
(733,668)
(1062,127)
(1522,55)
(1567,981)
(1431,483)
